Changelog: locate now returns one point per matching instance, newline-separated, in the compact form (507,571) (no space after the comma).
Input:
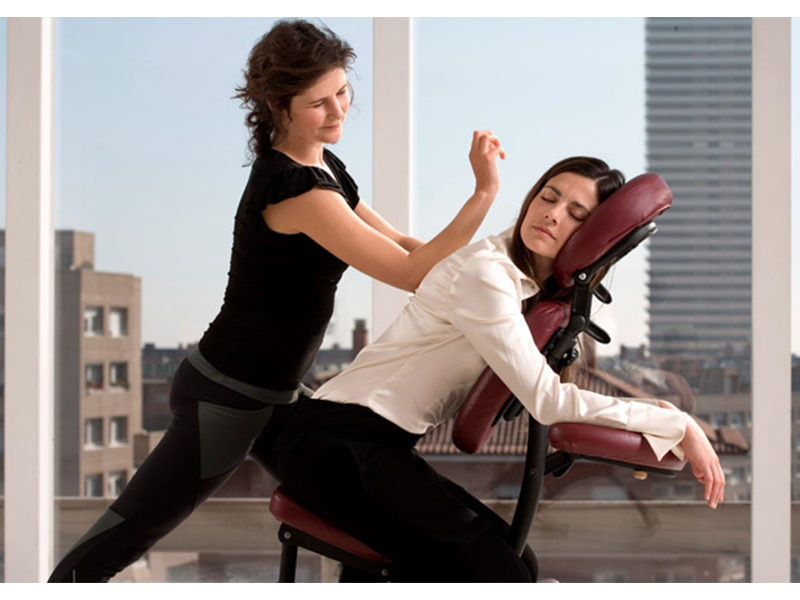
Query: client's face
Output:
(555,214)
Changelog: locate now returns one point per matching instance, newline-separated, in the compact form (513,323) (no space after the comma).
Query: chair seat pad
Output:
(287,511)
(610,444)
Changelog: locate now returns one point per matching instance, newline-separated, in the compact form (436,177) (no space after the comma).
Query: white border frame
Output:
(771,301)
(29,273)
(29,301)
(392,169)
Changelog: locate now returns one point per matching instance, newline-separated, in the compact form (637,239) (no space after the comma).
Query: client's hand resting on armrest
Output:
(705,462)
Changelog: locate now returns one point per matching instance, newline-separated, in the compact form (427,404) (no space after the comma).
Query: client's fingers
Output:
(720,482)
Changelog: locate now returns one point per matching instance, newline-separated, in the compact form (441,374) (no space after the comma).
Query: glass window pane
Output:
(94,433)
(94,377)
(118,322)
(116,482)
(118,376)
(93,485)
(119,430)
(667,96)
(93,320)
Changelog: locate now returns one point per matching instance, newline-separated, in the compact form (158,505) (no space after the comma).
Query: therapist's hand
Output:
(483,155)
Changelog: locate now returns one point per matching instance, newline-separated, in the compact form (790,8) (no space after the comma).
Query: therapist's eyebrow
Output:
(339,91)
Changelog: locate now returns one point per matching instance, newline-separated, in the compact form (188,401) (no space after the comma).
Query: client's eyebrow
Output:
(555,189)
(574,203)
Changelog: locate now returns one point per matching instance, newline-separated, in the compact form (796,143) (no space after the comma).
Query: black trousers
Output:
(212,431)
(361,472)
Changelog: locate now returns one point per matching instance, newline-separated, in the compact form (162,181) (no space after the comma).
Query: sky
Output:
(151,149)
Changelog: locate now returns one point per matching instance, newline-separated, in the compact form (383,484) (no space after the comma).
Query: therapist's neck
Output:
(299,150)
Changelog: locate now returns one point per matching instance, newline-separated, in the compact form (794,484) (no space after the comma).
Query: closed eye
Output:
(579,213)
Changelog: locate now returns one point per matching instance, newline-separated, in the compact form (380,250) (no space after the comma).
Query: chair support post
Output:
(531,485)
(288,567)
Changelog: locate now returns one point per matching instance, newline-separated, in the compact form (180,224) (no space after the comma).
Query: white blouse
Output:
(464,315)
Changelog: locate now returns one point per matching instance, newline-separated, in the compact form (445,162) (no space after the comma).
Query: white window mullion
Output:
(29,301)
(391,147)
(771,506)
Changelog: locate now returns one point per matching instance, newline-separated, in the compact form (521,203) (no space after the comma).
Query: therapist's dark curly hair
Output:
(285,62)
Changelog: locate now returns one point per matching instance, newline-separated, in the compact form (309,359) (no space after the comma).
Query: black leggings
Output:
(361,472)
(212,431)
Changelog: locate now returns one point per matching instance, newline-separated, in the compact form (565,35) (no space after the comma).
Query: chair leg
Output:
(288,562)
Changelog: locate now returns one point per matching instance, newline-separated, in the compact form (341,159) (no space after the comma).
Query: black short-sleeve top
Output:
(280,291)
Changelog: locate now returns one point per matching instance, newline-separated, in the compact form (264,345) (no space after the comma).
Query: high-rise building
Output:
(699,139)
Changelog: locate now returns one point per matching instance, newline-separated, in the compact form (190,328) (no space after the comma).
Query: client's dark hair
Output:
(607,181)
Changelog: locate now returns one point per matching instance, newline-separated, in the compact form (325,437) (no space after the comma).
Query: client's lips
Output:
(545,231)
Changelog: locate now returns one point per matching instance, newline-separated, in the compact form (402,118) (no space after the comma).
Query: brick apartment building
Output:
(97,369)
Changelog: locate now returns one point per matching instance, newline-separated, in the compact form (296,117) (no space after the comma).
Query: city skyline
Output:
(150,145)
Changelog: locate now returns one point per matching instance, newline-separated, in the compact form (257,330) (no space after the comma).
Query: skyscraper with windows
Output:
(698,112)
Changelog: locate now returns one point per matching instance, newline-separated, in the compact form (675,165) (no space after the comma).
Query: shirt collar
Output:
(503,242)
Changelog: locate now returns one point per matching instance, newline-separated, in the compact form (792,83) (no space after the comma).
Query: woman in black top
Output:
(298,226)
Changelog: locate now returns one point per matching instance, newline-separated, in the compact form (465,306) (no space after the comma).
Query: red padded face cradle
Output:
(637,202)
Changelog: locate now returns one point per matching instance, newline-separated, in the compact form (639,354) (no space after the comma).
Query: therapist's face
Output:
(556,212)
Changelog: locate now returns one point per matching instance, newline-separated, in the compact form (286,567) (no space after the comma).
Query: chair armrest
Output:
(609,444)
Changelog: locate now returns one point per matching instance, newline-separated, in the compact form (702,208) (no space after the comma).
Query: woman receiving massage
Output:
(348,454)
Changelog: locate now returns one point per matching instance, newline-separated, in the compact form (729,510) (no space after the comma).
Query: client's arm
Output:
(705,462)
(486,309)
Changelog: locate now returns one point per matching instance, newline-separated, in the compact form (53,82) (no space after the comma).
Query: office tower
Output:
(699,139)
